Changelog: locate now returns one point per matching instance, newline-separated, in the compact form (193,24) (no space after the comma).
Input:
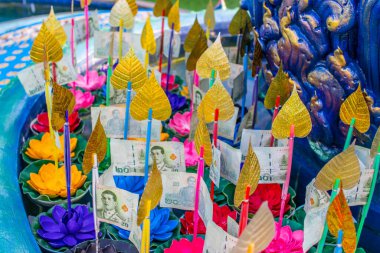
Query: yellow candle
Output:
(251,248)
(145,240)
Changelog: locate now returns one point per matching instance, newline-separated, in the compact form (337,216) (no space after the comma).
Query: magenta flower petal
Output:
(180,123)
(95,81)
(82,99)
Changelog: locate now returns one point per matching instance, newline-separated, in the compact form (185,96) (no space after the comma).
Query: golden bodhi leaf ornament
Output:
(257,55)
(344,166)
(55,27)
(202,138)
(356,107)
(214,58)
(161,5)
(97,144)
(375,143)
(294,112)
(240,20)
(339,217)
(151,95)
(209,18)
(173,17)
(281,85)
(84,2)
(153,192)
(121,11)
(45,47)
(199,48)
(129,69)
(217,97)
(147,37)
(259,231)
(192,36)
(250,175)
(63,100)
(133,6)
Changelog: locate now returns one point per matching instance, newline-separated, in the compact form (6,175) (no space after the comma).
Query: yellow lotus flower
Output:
(185,91)
(45,148)
(51,181)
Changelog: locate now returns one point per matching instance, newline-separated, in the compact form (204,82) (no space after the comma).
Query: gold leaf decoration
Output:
(356,107)
(152,191)
(209,18)
(129,69)
(161,5)
(294,112)
(281,85)
(55,27)
(83,3)
(214,58)
(133,6)
(63,100)
(240,20)
(375,143)
(344,166)
(339,217)
(45,47)
(121,10)
(173,17)
(249,175)
(217,97)
(259,231)
(97,144)
(202,137)
(199,48)
(193,36)
(257,55)
(151,95)
(147,37)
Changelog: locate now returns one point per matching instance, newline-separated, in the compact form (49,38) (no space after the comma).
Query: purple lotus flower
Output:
(59,230)
(176,101)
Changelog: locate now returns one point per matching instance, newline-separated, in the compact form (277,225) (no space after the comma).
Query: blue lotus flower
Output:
(161,228)
(60,230)
(131,184)
(177,102)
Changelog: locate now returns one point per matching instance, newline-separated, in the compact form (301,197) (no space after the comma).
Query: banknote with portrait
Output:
(113,121)
(128,157)
(116,206)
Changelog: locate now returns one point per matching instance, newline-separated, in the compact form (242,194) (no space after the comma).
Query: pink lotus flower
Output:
(288,241)
(180,123)
(191,155)
(82,99)
(185,246)
(95,81)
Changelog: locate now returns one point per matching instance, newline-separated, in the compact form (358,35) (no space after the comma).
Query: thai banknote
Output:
(135,236)
(128,157)
(230,160)
(259,138)
(232,227)
(205,203)
(32,78)
(113,120)
(231,53)
(116,206)
(236,81)
(103,42)
(217,240)
(246,123)
(226,128)
(178,190)
(176,44)
(215,166)
(80,27)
